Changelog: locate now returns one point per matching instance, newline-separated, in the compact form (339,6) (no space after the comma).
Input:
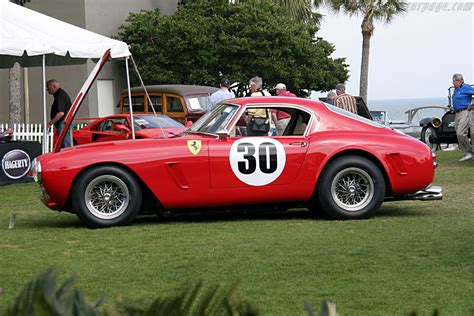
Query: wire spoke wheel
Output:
(107,197)
(352,189)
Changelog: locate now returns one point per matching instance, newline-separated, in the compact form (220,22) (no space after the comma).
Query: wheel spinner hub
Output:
(107,197)
(352,189)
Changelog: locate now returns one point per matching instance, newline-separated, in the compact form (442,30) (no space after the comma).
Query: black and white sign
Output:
(16,164)
(257,161)
(16,160)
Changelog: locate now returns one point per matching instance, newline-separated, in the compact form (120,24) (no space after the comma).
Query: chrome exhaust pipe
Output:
(428,194)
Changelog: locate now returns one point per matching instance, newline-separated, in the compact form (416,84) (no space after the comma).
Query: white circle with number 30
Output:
(257,161)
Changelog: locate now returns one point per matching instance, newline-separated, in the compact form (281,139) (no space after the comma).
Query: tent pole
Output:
(45,129)
(130,98)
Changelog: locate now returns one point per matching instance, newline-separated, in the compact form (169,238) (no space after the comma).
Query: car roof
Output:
(308,103)
(180,89)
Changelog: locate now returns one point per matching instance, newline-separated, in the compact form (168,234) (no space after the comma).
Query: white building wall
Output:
(100,16)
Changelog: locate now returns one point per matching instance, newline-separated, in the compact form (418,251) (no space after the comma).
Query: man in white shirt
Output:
(222,94)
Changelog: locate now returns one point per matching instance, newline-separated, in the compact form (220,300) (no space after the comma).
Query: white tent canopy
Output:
(26,35)
(35,39)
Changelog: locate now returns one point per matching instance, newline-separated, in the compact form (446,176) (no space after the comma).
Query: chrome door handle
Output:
(302,144)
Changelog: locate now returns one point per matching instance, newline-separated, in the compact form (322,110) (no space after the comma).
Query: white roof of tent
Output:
(26,35)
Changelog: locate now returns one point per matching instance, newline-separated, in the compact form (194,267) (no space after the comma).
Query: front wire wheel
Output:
(106,196)
(351,187)
(428,136)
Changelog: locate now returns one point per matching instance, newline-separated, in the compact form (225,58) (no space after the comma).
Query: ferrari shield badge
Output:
(194,146)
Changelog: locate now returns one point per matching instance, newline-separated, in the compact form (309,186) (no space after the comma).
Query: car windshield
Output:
(198,102)
(215,120)
(155,121)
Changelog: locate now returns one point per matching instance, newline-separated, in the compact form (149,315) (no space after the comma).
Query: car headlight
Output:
(436,122)
(36,170)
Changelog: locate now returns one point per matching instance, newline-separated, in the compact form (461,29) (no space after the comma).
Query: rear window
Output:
(152,121)
(352,115)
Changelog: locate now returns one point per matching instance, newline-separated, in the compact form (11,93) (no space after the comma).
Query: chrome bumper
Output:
(428,194)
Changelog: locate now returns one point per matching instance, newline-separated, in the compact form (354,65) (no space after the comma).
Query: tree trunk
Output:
(15,110)
(367,32)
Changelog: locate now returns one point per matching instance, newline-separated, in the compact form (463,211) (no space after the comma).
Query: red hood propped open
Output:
(80,97)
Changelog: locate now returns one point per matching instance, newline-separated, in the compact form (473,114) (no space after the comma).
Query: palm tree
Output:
(371,10)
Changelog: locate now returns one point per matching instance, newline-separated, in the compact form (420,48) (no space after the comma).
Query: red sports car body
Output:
(117,127)
(240,154)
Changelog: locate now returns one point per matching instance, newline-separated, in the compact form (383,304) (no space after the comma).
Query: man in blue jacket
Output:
(462,105)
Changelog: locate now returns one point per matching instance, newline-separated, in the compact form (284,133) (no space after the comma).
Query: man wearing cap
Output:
(281,118)
(222,94)
(344,100)
(282,92)
(462,105)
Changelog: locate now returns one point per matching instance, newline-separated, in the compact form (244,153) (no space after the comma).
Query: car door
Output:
(174,106)
(249,162)
(257,168)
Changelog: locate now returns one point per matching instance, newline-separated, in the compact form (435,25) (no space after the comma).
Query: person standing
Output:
(330,97)
(282,92)
(462,105)
(59,109)
(344,100)
(256,89)
(258,119)
(222,94)
(282,118)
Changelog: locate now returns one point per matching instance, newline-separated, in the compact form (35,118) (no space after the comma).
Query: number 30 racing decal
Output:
(257,161)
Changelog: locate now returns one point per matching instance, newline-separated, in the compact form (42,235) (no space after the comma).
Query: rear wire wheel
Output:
(351,187)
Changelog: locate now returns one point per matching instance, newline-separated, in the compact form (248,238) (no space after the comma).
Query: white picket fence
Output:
(33,132)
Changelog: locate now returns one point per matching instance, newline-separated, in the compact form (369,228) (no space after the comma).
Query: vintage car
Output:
(180,102)
(325,158)
(416,118)
(118,127)
(440,129)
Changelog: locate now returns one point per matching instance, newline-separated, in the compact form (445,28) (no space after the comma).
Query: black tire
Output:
(428,136)
(106,196)
(351,187)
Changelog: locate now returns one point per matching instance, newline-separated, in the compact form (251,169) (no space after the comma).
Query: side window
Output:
(110,124)
(138,103)
(276,121)
(173,104)
(157,101)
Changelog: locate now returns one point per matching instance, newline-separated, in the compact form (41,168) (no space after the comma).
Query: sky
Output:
(415,55)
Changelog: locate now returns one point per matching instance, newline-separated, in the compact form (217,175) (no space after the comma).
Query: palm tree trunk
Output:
(15,110)
(367,32)
(364,67)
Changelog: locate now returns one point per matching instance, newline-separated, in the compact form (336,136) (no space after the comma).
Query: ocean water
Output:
(396,108)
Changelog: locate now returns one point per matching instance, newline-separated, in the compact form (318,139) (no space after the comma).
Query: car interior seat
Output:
(301,124)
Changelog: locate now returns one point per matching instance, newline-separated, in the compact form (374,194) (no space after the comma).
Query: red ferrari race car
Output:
(237,155)
(117,127)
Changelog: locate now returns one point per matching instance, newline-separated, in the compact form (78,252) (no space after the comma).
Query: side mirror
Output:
(122,128)
(188,124)
(222,134)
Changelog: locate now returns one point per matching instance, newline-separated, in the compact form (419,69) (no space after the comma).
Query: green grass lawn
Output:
(410,256)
